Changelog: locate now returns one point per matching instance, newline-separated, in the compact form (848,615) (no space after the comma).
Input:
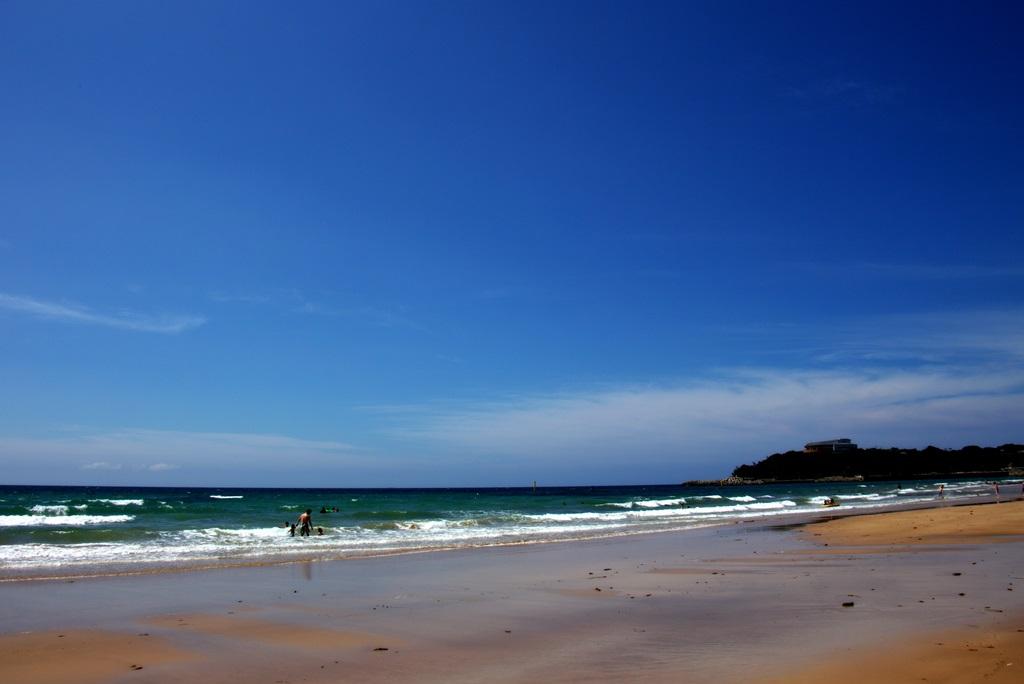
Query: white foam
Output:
(771,505)
(867,497)
(566,517)
(427,525)
(484,529)
(762,506)
(474,528)
(81,507)
(120,502)
(659,503)
(847,498)
(41,520)
(236,535)
(218,543)
(651,503)
(221,496)
(52,510)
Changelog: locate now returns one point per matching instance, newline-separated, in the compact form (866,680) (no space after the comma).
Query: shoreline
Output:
(701,605)
(271,561)
(779,521)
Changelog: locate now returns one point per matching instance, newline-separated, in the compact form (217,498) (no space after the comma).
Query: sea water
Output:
(64,531)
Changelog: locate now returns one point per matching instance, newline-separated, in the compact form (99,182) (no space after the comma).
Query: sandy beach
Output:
(925,594)
(511,342)
(986,644)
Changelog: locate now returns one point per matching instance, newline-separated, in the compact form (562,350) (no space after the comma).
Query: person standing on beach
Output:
(306,522)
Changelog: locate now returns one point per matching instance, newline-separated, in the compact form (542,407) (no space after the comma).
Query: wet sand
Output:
(987,644)
(81,656)
(962,656)
(735,603)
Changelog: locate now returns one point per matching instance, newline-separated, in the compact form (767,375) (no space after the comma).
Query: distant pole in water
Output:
(534,486)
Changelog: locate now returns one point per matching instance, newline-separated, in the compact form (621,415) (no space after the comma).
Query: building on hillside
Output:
(829,446)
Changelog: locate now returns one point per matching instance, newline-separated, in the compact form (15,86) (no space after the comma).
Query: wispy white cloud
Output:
(958,339)
(958,378)
(141,450)
(745,413)
(964,384)
(126,320)
(371,315)
(297,302)
(101,465)
(228,297)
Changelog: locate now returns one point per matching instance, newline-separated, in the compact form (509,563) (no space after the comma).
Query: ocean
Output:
(68,531)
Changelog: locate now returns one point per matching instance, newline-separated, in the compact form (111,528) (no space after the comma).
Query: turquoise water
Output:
(66,530)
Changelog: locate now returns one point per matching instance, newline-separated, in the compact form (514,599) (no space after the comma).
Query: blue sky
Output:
(463,243)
